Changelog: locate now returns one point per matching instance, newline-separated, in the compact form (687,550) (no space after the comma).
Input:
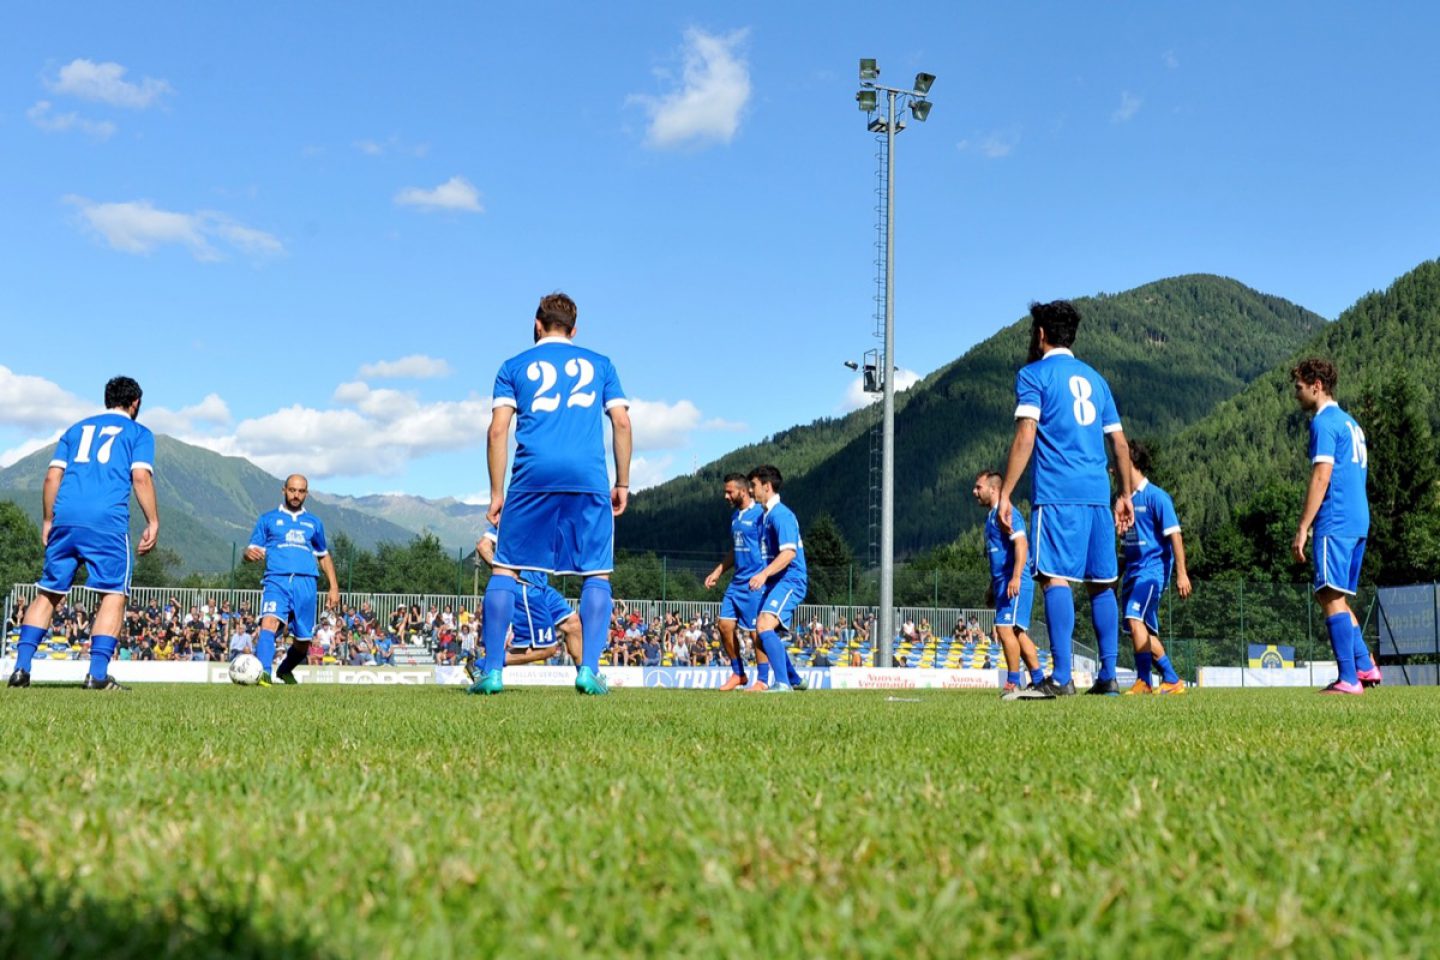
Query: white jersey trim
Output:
(618,402)
(1027,411)
(59,463)
(502,402)
(142,465)
(1169,530)
(1323,458)
(1113,428)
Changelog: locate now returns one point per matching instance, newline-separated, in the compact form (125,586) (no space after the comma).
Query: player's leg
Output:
(107,557)
(777,610)
(274,612)
(1029,656)
(1101,572)
(303,603)
(1170,682)
(1057,563)
(1333,588)
(1010,645)
(1366,669)
(731,646)
(109,619)
(570,634)
(1132,601)
(58,573)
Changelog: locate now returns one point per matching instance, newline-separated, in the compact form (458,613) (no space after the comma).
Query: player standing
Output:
(540,612)
(1337,507)
(783,579)
(741,604)
(291,542)
(1011,590)
(86,502)
(559,512)
(1153,547)
(1064,413)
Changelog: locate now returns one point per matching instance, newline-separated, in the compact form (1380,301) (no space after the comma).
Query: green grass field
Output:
(343,822)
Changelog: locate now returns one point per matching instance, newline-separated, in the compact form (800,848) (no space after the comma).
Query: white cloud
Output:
(993,146)
(662,426)
(8,458)
(649,471)
(378,148)
(457,193)
(106,83)
(139,227)
(720,424)
(856,397)
(1129,106)
(41,116)
(708,104)
(211,410)
(37,403)
(417,366)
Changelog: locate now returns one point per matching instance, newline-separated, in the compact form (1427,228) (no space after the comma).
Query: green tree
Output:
(828,560)
(21,554)
(158,568)
(1402,479)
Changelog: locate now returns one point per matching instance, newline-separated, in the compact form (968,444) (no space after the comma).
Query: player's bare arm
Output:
(719,571)
(497,454)
(253,554)
(1314,496)
(485,547)
(781,561)
(622,442)
(1182,575)
(332,597)
(1020,450)
(1124,508)
(143,483)
(1022,553)
(53,476)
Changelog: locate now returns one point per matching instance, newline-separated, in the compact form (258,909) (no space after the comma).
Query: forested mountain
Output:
(1171,351)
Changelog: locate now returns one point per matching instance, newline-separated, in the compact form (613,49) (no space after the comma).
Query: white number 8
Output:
(1081,390)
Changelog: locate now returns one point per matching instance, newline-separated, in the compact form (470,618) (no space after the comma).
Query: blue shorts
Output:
(1140,600)
(781,599)
(290,598)
(1337,563)
(538,611)
(741,604)
(1075,541)
(1014,611)
(560,533)
(106,557)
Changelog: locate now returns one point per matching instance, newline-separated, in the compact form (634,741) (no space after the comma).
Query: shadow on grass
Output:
(42,924)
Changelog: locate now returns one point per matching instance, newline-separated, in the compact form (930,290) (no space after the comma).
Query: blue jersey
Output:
(536,578)
(1148,551)
(98,455)
(560,393)
(1001,549)
(747,530)
(781,531)
(1074,409)
(291,541)
(1336,438)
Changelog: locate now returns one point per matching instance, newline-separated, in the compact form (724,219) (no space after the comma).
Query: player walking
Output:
(1064,413)
(86,502)
(741,604)
(783,580)
(291,542)
(1153,547)
(1011,590)
(1337,508)
(558,516)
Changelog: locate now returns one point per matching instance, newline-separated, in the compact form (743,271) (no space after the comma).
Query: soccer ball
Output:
(246,669)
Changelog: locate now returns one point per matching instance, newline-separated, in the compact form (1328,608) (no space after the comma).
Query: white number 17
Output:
(87,437)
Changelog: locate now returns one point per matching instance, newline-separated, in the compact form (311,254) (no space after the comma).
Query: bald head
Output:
(296,489)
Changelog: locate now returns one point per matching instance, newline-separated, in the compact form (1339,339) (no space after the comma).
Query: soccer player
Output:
(86,502)
(1011,590)
(558,517)
(540,611)
(741,604)
(783,579)
(1064,413)
(291,542)
(1337,508)
(1153,547)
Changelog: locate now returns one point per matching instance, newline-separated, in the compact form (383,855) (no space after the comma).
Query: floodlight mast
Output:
(890,124)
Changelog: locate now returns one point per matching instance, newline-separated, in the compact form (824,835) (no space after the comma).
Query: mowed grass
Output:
(418,822)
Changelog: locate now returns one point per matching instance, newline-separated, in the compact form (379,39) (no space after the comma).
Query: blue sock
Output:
(265,649)
(1060,614)
(499,611)
(1362,652)
(102,648)
(762,671)
(1036,676)
(1167,670)
(1144,665)
(779,658)
(1342,641)
(1105,615)
(737,667)
(30,638)
(1012,677)
(596,606)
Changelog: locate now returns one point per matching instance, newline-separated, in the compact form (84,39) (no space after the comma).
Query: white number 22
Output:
(584,372)
(87,437)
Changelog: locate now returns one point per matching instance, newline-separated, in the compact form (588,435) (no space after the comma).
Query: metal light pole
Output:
(891,124)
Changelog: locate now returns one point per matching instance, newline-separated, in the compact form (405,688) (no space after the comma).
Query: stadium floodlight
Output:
(920,109)
(869,69)
(866,99)
(923,82)
(852,365)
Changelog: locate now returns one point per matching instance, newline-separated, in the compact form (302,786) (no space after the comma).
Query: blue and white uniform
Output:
(1074,409)
(539,607)
(293,543)
(1343,522)
(1149,555)
(557,517)
(92,507)
(784,591)
(1000,549)
(741,604)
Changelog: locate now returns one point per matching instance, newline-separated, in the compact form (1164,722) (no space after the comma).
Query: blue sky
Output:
(314,231)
